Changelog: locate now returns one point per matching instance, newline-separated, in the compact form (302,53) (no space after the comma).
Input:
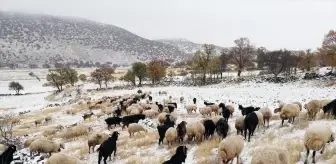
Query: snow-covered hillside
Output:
(39,39)
(186,45)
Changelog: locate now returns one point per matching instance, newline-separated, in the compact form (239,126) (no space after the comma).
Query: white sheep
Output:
(135,127)
(96,139)
(195,130)
(150,113)
(154,107)
(205,110)
(230,108)
(171,135)
(60,158)
(29,141)
(214,108)
(313,107)
(51,131)
(260,118)
(162,117)
(270,155)
(216,118)
(45,146)
(135,111)
(298,103)
(173,116)
(267,114)
(289,111)
(316,137)
(230,148)
(129,109)
(239,124)
(191,107)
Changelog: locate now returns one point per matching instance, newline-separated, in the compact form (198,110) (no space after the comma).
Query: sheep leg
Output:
(314,152)
(283,120)
(99,158)
(322,149)
(307,154)
(237,159)
(249,137)
(105,158)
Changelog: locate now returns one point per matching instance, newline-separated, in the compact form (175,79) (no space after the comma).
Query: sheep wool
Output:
(195,130)
(289,111)
(260,118)
(313,107)
(162,117)
(216,118)
(135,127)
(239,124)
(230,108)
(173,116)
(270,155)
(45,146)
(150,113)
(191,107)
(230,148)
(60,158)
(317,136)
(96,139)
(171,135)
(29,141)
(134,111)
(205,110)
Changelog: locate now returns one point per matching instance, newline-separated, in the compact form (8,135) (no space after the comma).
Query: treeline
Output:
(207,64)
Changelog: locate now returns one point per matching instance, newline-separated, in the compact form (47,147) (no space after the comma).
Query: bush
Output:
(15,86)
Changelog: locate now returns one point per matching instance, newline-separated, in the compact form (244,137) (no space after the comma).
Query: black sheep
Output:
(225,112)
(117,112)
(150,98)
(175,104)
(247,110)
(108,147)
(162,131)
(194,100)
(113,121)
(181,131)
(168,121)
(210,128)
(330,108)
(179,157)
(143,96)
(171,108)
(207,103)
(250,124)
(126,120)
(7,156)
(222,128)
(160,106)
(87,115)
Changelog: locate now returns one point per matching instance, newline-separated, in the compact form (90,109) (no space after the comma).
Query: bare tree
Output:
(6,127)
(277,61)
(242,54)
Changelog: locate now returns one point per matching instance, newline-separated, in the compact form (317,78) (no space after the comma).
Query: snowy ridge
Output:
(39,39)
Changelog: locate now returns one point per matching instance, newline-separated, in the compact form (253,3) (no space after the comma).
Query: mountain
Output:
(39,39)
(185,45)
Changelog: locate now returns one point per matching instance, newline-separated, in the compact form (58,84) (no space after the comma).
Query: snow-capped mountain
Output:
(185,45)
(39,39)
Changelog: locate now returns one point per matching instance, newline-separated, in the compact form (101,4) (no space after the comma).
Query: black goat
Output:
(210,128)
(162,131)
(179,156)
(108,147)
(181,131)
(207,103)
(222,128)
(112,121)
(87,115)
(225,112)
(330,108)
(171,108)
(126,120)
(247,110)
(7,156)
(194,100)
(173,104)
(250,124)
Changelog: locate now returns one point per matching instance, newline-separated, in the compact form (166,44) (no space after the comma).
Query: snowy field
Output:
(143,147)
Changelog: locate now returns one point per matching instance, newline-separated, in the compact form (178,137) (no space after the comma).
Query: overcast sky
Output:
(274,24)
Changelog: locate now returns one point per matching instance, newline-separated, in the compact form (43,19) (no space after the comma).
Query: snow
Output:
(256,94)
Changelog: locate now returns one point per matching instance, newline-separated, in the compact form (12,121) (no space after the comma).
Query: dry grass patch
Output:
(143,139)
(49,110)
(294,147)
(80,149)
(275,117)
(301,124)
(205,148)
(209,160)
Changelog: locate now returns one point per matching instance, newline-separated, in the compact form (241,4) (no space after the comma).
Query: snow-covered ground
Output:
(132,149)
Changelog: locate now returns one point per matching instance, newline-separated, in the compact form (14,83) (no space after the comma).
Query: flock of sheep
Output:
(133,108)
